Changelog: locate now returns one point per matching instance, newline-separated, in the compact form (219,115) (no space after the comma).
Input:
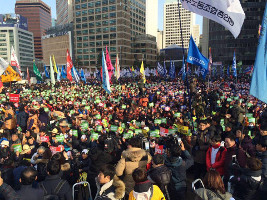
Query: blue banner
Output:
(258,86)
(234,66)
(46,72)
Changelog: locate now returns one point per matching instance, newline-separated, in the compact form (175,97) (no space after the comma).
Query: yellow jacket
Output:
(157,194)
(10,123)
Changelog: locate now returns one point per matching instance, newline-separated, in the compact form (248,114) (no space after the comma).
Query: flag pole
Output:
(187,84)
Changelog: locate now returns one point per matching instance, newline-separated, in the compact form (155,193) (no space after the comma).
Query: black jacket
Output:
(51,182)
(247,185)
(161,176)
(22,119)
(28,192)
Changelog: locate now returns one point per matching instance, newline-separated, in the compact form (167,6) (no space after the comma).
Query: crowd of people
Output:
(142,141)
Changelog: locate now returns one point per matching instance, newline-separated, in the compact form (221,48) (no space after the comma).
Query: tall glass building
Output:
(111,23)
(223,44)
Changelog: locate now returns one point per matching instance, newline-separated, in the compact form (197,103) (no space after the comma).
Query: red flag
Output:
(28,76)
(69,66)
(109,65)
(1,85)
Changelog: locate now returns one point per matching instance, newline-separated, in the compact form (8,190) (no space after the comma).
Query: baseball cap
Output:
(85,151)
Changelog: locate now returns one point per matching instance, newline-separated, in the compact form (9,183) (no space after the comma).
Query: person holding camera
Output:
(178,160)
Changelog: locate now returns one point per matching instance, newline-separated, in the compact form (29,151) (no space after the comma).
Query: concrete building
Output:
(64,11)
(172,33)
(160,40)
(152,17)
(56,42)
(39,19)
(111,23)
(145,48)
(204,41)
(223,44)
(196,34)
(23,44)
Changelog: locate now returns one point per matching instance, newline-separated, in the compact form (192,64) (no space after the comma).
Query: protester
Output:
(143,188)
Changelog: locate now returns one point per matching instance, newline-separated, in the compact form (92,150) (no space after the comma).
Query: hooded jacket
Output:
(132,158)
(114,189)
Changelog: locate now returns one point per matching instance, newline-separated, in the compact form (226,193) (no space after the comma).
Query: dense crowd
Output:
(143,141)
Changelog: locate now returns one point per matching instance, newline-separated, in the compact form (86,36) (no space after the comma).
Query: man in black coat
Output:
(54,181)
(160,174)
(22,119)
(26,191)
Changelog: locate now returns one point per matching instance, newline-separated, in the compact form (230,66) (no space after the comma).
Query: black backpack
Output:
(54,195)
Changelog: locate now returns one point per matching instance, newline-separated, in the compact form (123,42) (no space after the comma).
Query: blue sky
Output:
(8,6)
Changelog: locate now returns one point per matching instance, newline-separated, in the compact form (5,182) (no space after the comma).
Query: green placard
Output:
(17,147)
(72,112)
(46,109)
(99,128)
(87,107)
(251,120)
(138,131)
(151,105)
(97,101)
(249,104)
(249,115)
(75,132)
(94,136)
(177,115)
(127,135)
(84,125)
(60,138)
(123,106)
(171,131)
(98,116)
(157,121)
(123,125)
(163,120)
(222,122)
(138,124)
(113,128)
(154,133)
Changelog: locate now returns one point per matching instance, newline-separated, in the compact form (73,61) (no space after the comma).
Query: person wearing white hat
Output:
(85,161)
(4,144)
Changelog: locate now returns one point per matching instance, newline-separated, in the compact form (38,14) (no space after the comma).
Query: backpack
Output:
(54,195)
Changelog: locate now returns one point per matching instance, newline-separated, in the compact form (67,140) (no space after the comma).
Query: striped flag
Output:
(160,69)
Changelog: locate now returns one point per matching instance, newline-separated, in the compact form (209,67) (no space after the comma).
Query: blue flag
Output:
(258,86)
(183,70)
(105,77)
(222,71)
(165,70)
(234,66)
(228,71)
(58,74)
(196,58)
(63,72)
(172,71)
(82,76)
(75,75)
(98,75)
(160,69)
(46,73)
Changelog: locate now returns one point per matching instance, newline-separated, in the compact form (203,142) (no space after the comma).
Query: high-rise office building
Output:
(13,32)
(152,17)
(39,19)
(223,44)
(111,23)
(64,11)
(172,33)
(204,40)
(196,33)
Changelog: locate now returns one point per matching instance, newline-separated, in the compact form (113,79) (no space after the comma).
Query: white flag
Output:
(14,60)
(3,65)
(52,73)
(228,13)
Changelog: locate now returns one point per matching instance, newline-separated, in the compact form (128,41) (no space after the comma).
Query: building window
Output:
(91,30)
(91,11)
(113,35)
(91,18)
(98,3)
(112,29)
(90,5)
(113,49)
(92,44)
(78,13)
(85,32)
(92,24)
(98,23)
(112,1)
(85,38)
(84,12)
(105,9)
(99,37)
(84,5)
(105,36)
(79,38)
(86,57)
(105,30)
(105,42)
(112,8)
(112,42)
(77,7)
(84,19)
(104,2)
(98,43)
(85,44)
(97,10)
(104,23)
(91,37)
(112,14)
(98,30)
(112,22)
(85,25)
(104,16)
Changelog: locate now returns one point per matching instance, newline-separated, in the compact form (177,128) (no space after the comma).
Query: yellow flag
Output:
(142,71)
(10,75)
(55,65)
(132,68)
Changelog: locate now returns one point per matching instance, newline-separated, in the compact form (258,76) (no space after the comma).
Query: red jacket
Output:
(219,160)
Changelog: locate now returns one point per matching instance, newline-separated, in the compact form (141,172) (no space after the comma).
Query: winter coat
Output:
(248,147)
(132,158)
(22,118)
(200,143)
(27,192)
(114,189)
(10,121)
(219,160)
(247,185)
(161,176)
(51,182)
(148,189)
(33,122)
(206,194)
(178,167)
(240,156)
(44,118)
(8,193)
(85,164)
(41,169)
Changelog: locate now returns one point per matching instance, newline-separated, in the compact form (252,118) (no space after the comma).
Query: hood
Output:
(143,190)
(45,161)
(174,162)
(134,154)
(65,167)
(249,172)
(120,187)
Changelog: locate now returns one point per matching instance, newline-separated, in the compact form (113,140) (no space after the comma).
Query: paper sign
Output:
(14,97)
(138,131)
(163,131)
(251,120)
(84,125)
(60,138)
(17,147)
(249,115)
(99,128)
(44,138)
(123,106)
(94,136)
(113,128)
(163,120)
(157,121)
(171,131)
(177,114)
(154,133)
(98,116)
(54,150)
(75,133)
(158,149)
(127,135)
